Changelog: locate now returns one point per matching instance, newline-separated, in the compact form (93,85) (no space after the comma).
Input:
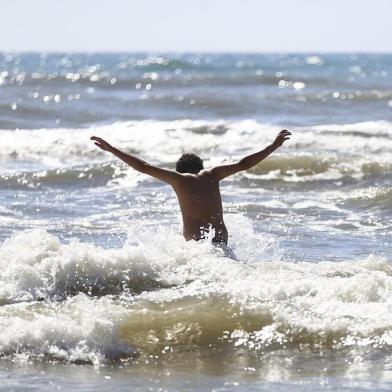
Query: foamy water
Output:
(80,302)
(98,289)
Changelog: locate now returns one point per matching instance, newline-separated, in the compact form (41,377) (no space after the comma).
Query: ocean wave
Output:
(95,175)
(199,135)
(310,168)
(285,169)
(80,303)
(39,267)
(372,197)
(302,165)
(165,137)
(56,157)
(173,74)
(371,128)
(333,97)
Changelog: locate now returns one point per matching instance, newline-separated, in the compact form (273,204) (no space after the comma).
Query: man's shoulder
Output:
(208,174)
(205,173)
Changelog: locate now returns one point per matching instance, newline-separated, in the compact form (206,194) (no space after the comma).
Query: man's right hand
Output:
(281,138)
(102,144)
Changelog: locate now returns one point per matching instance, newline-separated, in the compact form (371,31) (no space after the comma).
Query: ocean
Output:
(98,289)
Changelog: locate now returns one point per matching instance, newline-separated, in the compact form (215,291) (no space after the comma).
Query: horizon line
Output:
(100,51)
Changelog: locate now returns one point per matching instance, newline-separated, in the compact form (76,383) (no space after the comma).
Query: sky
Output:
(197,25)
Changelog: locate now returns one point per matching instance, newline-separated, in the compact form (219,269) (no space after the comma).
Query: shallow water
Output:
(99,291)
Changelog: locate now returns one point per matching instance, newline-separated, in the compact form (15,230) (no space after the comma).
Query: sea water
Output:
(98,289)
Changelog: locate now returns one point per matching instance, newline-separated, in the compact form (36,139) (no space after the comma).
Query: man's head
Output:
(189,163)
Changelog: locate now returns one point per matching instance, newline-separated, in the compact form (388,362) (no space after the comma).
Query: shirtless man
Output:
(197,189)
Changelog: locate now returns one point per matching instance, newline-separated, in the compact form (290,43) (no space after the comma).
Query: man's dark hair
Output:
(189,163)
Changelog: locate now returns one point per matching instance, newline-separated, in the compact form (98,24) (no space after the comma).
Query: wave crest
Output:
(81,303)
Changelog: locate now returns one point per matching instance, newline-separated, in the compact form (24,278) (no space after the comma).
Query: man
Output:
(197,189)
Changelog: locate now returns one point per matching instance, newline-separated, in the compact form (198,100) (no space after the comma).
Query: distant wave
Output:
(68,141)
(371,197)
(91,175)
(294,169)
(62,157)
(106,80)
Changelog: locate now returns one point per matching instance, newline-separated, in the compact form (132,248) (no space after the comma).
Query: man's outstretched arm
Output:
(221,172)
(138,164)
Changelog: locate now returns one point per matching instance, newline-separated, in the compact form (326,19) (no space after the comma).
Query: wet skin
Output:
(198,194)
(201,206)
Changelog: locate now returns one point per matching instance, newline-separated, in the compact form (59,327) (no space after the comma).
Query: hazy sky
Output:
(196,25)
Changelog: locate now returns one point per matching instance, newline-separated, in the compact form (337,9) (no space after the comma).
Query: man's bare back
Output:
(197,189)
(201,206)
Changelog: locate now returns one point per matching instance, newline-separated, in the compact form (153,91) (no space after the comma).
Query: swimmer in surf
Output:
(197,189)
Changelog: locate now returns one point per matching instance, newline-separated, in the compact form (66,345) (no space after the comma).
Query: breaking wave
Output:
(80,303)
(66,156)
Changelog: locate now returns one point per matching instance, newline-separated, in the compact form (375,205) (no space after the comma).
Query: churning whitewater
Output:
(78,302)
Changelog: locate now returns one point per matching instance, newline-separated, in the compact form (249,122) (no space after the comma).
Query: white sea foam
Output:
(31,158)
(79,302)
(59,146)
(170,138)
